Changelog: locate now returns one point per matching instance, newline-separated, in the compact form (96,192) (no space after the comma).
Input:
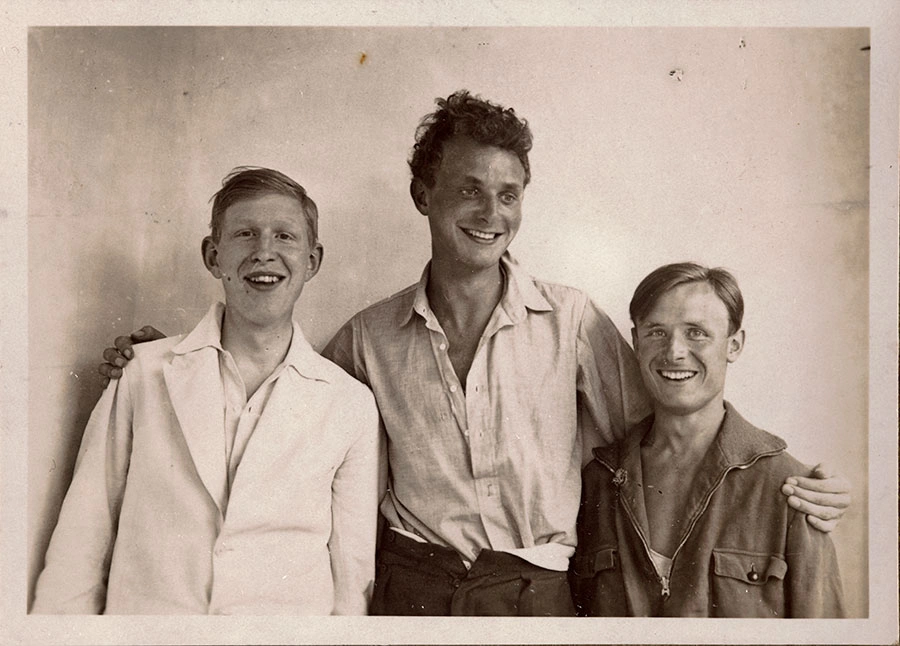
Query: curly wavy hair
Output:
(461,113)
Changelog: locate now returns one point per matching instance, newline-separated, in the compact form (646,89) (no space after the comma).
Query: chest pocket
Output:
(747,584)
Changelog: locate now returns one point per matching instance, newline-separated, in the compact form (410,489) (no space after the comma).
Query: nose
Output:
(264,250)
(489,207)
(676,349)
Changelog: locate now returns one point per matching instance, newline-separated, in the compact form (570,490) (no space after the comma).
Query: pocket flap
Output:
(589,564)
(753,568)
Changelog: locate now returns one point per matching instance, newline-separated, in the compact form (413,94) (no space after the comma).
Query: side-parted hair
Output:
(464,114)
(250,182)
(668,277)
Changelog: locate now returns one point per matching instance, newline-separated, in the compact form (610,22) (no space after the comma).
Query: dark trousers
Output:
(415,578)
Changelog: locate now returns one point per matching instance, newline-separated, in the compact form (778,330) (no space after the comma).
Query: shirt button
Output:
(453,388)
(456,583)
(753,575)
(443,346)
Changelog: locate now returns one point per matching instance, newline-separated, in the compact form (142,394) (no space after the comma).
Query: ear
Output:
(735,345)
(210,256)
(419,193)
(314,261)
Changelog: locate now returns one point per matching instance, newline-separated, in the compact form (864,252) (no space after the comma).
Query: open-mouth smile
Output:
(676,375)
(264,280)
(481,236)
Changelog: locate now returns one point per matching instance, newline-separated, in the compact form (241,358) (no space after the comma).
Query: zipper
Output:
(709,496)
(665,591)
(664,581)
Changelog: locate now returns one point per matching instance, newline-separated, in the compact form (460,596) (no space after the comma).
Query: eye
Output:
(696,333)
(243,233)
(468,192)
(509,198)
(656,332)
(284,236)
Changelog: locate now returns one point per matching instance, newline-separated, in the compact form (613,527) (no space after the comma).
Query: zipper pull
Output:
(665,587)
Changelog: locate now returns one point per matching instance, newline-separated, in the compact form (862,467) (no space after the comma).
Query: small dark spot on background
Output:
(865,49)
(185,93)
(742,44)
(677,74)
(3,214)
(362,58)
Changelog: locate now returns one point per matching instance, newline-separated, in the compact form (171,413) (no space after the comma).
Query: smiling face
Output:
(264,257)
(475,205)
(683,348)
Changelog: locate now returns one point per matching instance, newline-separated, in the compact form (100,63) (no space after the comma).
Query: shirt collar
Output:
(208,334)
(520,294)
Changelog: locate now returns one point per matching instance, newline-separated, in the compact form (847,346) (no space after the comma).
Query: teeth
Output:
(264,279)
(481,235)
(677,375)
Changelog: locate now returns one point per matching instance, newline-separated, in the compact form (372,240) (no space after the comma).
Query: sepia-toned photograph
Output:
(355,332)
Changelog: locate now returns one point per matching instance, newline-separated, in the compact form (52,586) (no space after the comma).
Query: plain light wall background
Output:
(746,148)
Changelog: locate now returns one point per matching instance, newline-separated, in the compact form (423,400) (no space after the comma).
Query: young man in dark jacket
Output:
(684,517)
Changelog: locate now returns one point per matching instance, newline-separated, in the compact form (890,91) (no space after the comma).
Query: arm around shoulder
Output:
(611,392)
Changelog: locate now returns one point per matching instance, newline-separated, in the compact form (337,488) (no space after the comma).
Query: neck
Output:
(678,434)
(265,346)
(463,294)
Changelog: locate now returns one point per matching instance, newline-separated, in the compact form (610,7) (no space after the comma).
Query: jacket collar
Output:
(520,294)
(737,444)
(208,334)
(195,389)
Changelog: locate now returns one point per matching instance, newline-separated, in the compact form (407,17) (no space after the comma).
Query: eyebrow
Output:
(506,186)
(646,323)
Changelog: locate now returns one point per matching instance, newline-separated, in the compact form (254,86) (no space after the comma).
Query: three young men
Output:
(489,384)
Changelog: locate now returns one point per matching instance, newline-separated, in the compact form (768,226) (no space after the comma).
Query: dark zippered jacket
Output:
(744,553)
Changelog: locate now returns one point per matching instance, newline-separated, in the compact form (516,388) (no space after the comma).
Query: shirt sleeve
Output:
(814,582)
(355,492)
(76,565)
(611,395)
(344,350)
